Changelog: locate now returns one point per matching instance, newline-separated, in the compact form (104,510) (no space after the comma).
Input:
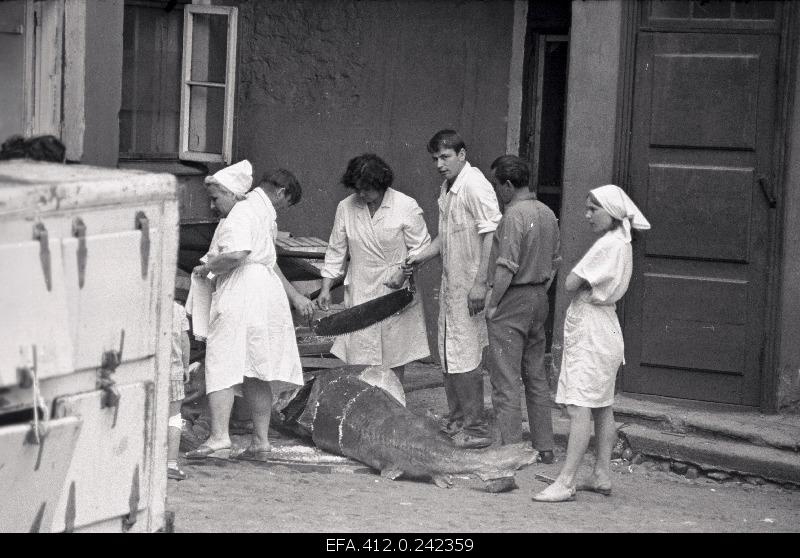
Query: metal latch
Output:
(133,502)
(111,360)
(79,232)
(143,224)
(40,234)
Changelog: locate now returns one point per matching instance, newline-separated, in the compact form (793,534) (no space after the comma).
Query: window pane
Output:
(206,116)
(670,9)
(711,9)
(209,47)
(752,9)
(151,74)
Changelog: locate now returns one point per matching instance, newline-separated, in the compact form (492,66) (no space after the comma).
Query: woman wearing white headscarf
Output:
(225,188)
(593,345)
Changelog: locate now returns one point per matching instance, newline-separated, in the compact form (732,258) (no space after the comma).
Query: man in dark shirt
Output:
(522,264)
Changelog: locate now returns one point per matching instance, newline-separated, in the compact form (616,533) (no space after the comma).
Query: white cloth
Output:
(617,203)
(593,344)
(251,331)
(179,324)
(198,301)
(378,245)
(468,210)
(237,178)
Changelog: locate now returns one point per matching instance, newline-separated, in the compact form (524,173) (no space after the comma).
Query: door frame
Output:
(789,12)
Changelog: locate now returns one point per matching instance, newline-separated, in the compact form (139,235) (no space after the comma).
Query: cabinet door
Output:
(109,471)
(115,296)
(32,475)
(32,315)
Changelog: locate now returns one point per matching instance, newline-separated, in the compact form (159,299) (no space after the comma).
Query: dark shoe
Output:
(453,428)
(546,457)
(175,473)
(466,441)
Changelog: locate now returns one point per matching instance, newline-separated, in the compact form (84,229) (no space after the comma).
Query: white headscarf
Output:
(617,203)
(237,178)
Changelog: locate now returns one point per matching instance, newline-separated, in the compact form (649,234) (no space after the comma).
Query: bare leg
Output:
(258,395)
(220,404)
(174,434)
(605,434)
(400,372)
(580,431)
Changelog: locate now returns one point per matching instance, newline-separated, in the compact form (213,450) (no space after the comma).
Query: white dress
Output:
(377,246)
(593,345)
(251,332)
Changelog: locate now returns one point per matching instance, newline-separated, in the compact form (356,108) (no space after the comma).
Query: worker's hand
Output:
(397,279)
(200,270)
(324,299)
(304,306)
(191,369)
(476,299)
(416,259)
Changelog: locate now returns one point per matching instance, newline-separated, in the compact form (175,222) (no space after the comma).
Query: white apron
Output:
(593,344)
(251,332)
(377,246)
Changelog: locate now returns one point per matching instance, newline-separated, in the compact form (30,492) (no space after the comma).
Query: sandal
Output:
(588,487)
(556,492)
(251,454)
(203,451)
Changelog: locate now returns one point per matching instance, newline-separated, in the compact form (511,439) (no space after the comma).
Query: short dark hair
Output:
(282,178)
(512,168)
(446,139)
(367,172)
(38,148)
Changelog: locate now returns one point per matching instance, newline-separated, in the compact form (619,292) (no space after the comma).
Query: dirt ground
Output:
(231,496)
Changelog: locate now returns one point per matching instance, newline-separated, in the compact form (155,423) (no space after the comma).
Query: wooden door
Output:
(701,160)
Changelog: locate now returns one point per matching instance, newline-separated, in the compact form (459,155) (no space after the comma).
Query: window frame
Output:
(184,153)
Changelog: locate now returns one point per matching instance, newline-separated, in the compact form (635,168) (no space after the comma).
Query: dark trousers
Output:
(465,400)
(516,349)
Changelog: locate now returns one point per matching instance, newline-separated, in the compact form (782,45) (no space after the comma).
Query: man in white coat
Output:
(251,338)
(468,216)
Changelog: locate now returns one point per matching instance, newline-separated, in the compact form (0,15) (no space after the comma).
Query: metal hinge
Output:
(133,502)
(109,363)
(79,232)
(40,234)
(143,224)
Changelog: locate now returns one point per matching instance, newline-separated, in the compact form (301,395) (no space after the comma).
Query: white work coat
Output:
(466,211)
(593,344)
(251,332)
(377,246)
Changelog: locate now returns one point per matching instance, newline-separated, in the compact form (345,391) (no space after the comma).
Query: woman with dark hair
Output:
(378,227)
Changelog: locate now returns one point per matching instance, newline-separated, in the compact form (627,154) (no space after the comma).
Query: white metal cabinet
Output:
(111,260)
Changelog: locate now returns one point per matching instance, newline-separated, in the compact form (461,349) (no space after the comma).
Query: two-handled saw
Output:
(365,314)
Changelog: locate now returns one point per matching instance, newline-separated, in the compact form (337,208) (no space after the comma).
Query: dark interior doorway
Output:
(544,107)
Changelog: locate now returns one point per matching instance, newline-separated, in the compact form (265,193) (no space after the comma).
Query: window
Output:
(208,82)
(178,82)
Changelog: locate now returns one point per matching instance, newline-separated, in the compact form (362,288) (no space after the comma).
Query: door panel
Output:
(109,466)
(702,137)
(32,474)
(114,297)
(38,313)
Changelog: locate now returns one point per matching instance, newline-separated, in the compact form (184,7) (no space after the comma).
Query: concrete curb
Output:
(715,454)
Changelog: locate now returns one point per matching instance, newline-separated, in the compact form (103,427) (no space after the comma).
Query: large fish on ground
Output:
(345,413)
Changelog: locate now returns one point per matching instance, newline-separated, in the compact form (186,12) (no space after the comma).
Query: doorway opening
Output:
(544,108)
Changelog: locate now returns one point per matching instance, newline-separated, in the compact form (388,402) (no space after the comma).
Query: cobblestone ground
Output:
(224,496)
